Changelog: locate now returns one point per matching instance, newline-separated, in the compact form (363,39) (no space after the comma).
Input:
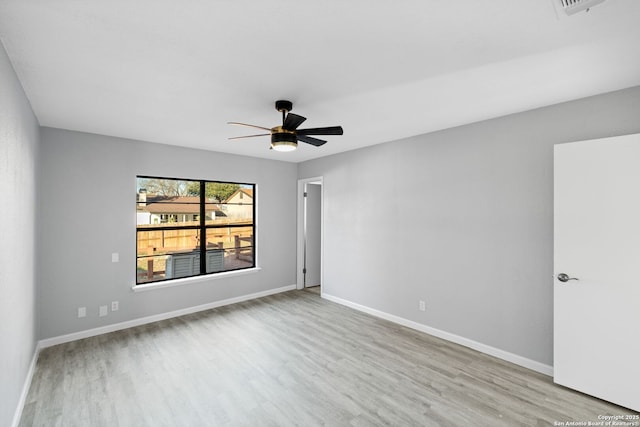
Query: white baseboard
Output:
(48,342)
(483,348)
(25,388)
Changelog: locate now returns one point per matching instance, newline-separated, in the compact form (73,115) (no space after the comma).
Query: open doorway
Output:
(309,275)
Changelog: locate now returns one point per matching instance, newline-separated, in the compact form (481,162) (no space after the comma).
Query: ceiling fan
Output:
(286,136)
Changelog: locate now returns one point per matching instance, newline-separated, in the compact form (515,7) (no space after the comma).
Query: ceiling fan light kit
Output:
(286,137)
(284,141)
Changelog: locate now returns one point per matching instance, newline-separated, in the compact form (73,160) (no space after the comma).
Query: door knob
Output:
(565,277)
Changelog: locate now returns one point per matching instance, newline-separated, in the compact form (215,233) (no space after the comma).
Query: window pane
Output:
(167,202)
(237,208)
(169,252)
(237,243)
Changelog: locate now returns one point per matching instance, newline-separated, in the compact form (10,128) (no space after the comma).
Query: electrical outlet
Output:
(82,312)
(422,306)
(103,310)
(115,257)
(115,305)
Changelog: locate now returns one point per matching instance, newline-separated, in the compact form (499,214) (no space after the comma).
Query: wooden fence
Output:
(156,240)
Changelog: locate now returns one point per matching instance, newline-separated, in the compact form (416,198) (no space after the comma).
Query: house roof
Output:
(178,204)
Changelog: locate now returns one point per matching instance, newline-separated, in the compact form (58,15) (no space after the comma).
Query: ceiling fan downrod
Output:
(284,107)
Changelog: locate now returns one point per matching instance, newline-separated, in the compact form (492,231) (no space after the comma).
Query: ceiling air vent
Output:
(575,6)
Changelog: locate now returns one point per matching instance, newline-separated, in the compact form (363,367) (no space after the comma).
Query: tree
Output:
(164,187)
(220,191)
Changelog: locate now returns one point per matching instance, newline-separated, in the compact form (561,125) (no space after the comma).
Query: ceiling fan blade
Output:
(249,136)
(310,140)
(246,124)
(292,121)
(331,130)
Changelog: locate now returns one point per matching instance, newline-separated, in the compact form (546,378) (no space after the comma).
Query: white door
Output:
(597,243)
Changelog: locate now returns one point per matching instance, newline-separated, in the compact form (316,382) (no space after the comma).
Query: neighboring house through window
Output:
(192,227)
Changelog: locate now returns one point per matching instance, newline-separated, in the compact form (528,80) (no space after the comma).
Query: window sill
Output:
(191,280)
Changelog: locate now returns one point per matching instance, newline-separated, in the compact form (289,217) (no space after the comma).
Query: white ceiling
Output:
(175,72)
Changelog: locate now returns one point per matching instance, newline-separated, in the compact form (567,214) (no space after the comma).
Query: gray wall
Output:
(461,218)
(88,191)
(19,144)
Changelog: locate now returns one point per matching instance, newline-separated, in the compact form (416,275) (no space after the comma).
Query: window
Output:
(189,228)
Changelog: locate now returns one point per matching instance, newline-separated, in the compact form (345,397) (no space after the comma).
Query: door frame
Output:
(301,237)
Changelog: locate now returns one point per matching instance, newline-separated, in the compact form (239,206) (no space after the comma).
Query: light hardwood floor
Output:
(284,360)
